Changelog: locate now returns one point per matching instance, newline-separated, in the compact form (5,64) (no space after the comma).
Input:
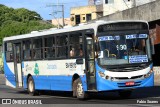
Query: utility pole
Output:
(134,3)
(57,11)
(63,16)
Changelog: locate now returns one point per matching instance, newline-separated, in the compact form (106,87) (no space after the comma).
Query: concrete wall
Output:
(115,6)
(141,2)
(148,12)
(60,21)
(156,76)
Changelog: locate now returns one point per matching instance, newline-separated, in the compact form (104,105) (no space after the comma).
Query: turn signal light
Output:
(101,74)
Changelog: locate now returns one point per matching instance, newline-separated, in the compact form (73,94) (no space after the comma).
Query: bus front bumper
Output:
(106,85)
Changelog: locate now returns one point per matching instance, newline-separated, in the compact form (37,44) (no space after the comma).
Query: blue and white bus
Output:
(97,57)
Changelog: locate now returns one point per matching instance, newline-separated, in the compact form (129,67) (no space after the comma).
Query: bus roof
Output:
(67,29)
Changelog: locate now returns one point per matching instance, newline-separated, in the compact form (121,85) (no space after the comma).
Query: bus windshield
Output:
(123,49)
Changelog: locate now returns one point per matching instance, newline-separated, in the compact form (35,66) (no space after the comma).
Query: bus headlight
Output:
(104,76)
(112,78)
(148,74)
(101,74)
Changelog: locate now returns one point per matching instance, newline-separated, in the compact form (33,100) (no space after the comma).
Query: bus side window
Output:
(8,52)
(62,46)
(49,47)
(27,49)
(76,45)
(37,48)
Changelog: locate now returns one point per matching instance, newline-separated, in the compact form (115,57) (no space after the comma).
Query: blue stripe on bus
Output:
(59,82)
(106,85)
(8,74)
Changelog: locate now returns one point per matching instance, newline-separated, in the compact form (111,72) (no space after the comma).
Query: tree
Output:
(19,21)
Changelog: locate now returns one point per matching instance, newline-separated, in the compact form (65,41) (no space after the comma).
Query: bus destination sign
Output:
(122,26)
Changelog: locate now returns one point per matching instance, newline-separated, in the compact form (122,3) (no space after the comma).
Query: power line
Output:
(126,4)
(70,2)
(57,11)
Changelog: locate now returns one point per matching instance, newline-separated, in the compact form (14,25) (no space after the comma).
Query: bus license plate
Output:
(130,83)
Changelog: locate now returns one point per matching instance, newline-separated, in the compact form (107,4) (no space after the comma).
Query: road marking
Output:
(49,96)
(142,105)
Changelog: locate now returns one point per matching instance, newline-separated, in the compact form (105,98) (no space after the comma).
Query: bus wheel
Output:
(31,86)
(80,93)
(125,94)
(74,88)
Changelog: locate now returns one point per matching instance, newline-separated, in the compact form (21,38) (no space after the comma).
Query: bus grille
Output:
(126,78)
(128,69)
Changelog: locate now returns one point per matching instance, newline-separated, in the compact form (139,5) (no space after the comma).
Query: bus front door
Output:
(90,63)
(17,64)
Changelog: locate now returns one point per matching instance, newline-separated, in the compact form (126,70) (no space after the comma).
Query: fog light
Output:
(147,75)
(107,77)
(112,78)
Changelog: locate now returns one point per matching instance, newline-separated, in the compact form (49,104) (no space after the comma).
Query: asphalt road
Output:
(108,98)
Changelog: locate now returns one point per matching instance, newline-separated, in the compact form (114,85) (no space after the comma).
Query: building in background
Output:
(99,8)
(84,14)
(67,22)
(112,6)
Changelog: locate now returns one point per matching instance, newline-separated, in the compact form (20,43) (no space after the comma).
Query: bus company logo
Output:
(28,68)
(50,66)
(36,69)
(70,65)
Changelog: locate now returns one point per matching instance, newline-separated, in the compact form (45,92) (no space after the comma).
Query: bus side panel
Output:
(37,70)
(61,82)
(53,74)
(84,82)
(9,73)
(24,81)
(42,82)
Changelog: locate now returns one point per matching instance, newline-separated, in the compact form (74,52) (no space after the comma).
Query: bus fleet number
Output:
(121,47)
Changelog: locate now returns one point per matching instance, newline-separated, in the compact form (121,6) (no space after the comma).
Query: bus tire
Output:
(31,86)
(74,88)
(80,93)
(125,94)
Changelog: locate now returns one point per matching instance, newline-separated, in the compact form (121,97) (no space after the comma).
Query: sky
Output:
(42,6)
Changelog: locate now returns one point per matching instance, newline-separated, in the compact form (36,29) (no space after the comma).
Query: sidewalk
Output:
(2,79)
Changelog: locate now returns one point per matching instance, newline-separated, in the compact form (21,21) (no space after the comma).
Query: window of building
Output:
(27,49)
(9,52)
(78,20)
(88,17)
(49,51)
(62,46)
(76,47)
(84,18)
(37,48)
